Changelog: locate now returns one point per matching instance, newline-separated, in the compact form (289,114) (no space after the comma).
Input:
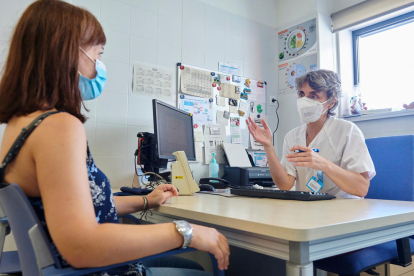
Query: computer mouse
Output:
(206,187)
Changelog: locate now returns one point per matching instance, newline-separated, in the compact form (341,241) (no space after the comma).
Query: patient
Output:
(52,67)
(333,158)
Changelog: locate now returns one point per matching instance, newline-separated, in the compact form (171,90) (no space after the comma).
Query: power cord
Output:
(277,116)
(153,184)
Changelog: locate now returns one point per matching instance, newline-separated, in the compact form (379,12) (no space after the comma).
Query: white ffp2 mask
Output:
(310,110)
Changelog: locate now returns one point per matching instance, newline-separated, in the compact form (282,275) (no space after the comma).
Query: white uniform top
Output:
(340,142)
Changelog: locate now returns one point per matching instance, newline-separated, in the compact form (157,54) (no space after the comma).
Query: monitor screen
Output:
(173,129)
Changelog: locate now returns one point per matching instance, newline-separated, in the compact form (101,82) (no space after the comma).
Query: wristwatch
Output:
(185,230)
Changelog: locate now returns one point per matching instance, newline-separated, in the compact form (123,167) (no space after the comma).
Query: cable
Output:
(153,184)
(277,116)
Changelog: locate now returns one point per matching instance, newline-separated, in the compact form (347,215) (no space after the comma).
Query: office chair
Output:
(393,158)
(34,249)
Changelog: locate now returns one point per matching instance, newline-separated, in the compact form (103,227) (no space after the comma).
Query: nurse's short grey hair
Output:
(322,80)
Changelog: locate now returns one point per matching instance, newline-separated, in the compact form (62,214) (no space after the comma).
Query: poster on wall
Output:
(289,71)
(152,81)
(201,108)
(299,40)
(196,82)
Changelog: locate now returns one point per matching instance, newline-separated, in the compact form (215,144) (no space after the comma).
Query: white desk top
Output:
(289,219)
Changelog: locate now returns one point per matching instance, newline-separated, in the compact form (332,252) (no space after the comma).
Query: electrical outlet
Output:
(272,101)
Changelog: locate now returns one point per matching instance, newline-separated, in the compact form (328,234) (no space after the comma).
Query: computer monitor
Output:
(173,130)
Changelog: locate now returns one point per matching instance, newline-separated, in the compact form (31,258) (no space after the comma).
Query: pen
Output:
(315,150)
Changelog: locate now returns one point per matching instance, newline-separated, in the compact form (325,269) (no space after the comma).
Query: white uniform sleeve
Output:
(288,166)
(356,157)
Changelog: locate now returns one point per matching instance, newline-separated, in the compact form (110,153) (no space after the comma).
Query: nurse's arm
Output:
(281,179)
(350,182)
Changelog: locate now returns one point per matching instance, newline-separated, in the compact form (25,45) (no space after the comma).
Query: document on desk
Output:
(220,192)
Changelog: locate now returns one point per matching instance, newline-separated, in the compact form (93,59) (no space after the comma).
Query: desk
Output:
(296,231)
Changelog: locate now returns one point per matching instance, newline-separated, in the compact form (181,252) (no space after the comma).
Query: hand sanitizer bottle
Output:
(214,168)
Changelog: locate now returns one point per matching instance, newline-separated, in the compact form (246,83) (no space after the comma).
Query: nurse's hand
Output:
(307,158)
(263,136)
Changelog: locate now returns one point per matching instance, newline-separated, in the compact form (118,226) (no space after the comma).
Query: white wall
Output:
(387,127)
(162,33)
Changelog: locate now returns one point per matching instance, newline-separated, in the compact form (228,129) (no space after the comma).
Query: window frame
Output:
(374,29)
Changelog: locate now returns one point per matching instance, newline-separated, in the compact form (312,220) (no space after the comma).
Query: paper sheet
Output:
(197,82)
(235,130)
(152,81)
(198,134)
(236,155)
(199,151)
(258,94)
(229,91)
(243,108)
(228,68)
(214,137)
(221,120)
(254,144)
(201,109)
(221,101)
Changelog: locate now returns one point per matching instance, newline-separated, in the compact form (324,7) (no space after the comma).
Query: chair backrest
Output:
(34,248)
(393,158)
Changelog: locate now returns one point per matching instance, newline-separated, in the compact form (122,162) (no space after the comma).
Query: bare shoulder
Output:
(61,128)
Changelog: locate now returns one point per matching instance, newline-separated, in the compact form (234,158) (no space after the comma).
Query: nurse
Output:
(342,167)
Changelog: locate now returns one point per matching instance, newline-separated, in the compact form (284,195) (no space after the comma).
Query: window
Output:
(384,62)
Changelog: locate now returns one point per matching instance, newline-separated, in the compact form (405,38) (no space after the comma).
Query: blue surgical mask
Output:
(91,88)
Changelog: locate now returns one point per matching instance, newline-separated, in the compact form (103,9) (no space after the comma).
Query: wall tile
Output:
(410,123)
(112,108)
(117,46)
(149,5)
(193,58)
(268,57)
(193,37)
(117,76)
(132,143)
(211,62)
(368,127)
(90,130)
(115,16)
(251,30)
(2,128)
(169,30)
(110,140)
(143,50)
(251,52)
(214,43)
(91,106)
(140,111)
(388,134)
(193,12)
(234,48)
(234,25)
(144,23)
(214,19)
(94,6)
(130,171)
(114,168)
(393,125)
(124,1)
(168,56)
(171,8)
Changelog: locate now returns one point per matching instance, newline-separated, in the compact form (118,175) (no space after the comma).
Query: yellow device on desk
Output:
(181,176)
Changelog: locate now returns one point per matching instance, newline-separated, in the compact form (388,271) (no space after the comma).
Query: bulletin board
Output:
(202,87)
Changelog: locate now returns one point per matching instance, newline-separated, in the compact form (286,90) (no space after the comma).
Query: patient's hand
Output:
(161,194)
(410,106)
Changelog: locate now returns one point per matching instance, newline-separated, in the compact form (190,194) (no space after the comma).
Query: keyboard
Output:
(278,194)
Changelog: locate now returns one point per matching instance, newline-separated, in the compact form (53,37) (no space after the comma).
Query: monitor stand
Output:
(181,176)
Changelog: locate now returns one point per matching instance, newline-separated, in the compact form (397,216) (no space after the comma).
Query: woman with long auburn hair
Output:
(53,65)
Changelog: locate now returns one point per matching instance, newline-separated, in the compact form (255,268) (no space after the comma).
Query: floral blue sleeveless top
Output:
(99,186)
